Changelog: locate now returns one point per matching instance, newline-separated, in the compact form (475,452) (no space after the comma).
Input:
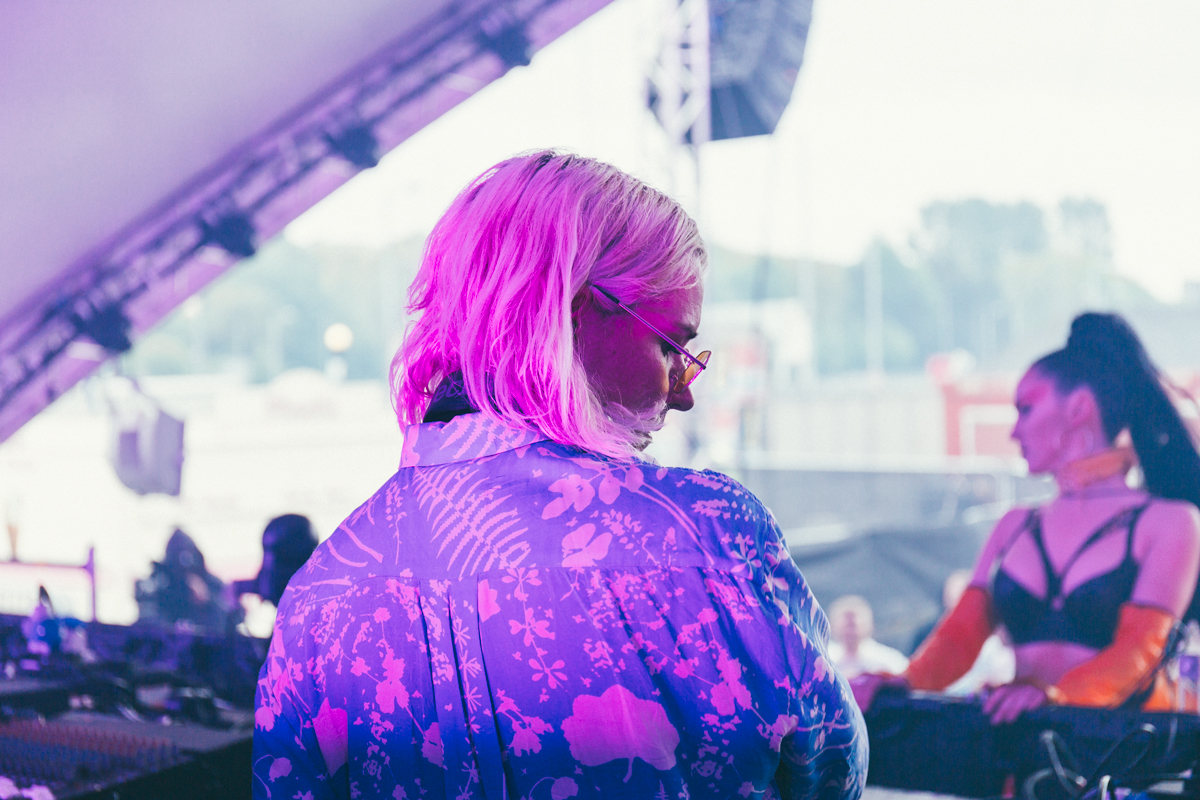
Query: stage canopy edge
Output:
(59,323)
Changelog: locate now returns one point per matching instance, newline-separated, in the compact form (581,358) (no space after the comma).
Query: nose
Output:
(681,401)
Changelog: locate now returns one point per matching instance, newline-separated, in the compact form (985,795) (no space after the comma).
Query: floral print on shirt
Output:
(512,618)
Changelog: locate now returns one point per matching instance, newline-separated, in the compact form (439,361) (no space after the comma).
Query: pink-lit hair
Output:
(498,278)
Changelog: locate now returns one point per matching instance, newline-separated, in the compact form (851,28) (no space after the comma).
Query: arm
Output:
(825,755)
(1167,547)
(952,647)
(287,760)
(1116,672)
(284,767)
(955,643)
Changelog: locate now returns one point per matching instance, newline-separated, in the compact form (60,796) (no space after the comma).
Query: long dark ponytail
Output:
(1105,354)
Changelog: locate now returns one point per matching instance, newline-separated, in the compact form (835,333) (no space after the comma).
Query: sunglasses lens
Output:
(693,371)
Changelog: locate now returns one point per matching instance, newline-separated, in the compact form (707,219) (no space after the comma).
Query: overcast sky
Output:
(899,103)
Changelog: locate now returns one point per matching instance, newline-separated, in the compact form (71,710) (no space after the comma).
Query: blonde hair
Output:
(500,272)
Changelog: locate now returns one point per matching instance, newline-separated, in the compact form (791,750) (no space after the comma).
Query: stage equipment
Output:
(756,52)
(357,145)
(933,743)
(233,233)
(678,86)
(727,67)
(152,713)
(88,568)
(147,445)
(198,165)
(107,327)
(91,756)
(148,454)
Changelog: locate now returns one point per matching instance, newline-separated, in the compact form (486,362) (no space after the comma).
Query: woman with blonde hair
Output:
(527,608)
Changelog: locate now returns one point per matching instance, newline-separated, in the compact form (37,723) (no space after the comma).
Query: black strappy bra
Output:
(1088,615)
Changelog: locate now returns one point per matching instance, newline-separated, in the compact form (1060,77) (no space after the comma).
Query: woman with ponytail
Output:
(1090,586)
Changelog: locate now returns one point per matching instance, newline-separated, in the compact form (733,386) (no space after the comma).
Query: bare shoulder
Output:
(1176,521)
(1006,528)
(1167,546)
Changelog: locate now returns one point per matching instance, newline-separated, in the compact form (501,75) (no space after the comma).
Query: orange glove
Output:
(1116,672)
(954,644)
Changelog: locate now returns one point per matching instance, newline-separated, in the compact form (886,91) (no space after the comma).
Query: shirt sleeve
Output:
(287,760)
(825,755)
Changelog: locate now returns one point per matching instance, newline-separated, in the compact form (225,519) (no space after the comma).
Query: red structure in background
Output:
(980,416)
(979,406)
(979,409)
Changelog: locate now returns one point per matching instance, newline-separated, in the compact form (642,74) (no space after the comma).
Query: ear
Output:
(1081,407)
(579,306)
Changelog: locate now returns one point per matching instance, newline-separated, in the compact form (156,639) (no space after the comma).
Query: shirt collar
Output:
(465,437)
(449,400)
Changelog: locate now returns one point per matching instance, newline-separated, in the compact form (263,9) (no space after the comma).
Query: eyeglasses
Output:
(696,363)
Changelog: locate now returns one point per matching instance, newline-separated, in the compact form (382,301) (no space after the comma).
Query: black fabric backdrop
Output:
(900,572)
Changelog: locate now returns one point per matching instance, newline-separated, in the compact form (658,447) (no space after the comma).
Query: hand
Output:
(1005,703)
(866,686)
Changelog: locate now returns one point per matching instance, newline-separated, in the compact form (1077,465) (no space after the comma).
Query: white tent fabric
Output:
(133,131)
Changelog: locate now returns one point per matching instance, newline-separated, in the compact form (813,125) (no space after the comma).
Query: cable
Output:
(1068,777)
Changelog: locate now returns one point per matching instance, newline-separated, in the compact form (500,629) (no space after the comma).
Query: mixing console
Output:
(93,756)
(933,743)
(152,715)
(59,754)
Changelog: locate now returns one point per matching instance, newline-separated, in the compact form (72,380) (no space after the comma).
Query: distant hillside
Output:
(999,281)
(270,313)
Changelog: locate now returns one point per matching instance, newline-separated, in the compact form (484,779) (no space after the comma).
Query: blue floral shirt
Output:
(512,618)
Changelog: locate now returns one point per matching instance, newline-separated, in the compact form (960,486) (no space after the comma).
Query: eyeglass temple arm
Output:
(678,348)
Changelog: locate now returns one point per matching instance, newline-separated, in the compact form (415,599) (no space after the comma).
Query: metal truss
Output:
(679,80)
(145,271)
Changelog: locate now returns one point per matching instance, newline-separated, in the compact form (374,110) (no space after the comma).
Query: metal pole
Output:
(90,566)
(679,79)
(873,291)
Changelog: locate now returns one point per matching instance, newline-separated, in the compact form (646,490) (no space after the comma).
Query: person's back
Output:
(556,609)
(510,615)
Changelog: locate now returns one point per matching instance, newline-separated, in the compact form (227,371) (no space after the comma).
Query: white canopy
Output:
(146,146)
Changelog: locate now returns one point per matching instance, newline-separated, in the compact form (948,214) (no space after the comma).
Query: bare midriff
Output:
(1047,662)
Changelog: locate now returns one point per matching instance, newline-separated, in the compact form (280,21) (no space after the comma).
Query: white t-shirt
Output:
(871,657)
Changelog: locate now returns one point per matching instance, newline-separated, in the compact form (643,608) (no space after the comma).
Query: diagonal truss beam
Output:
(132,282)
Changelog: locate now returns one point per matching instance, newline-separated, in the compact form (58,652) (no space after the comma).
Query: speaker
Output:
(147,452)
(756,48)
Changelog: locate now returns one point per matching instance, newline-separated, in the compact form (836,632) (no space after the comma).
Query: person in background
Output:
(287,542)
(952,589)
(854,649)
(181,592)
(528,607)
(47,633)
(1090,586)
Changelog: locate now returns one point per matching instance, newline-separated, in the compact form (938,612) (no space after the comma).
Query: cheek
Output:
(646,377)
(1040,434)
(1044,426)
(634,374)
(1027,432)
(650,371)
